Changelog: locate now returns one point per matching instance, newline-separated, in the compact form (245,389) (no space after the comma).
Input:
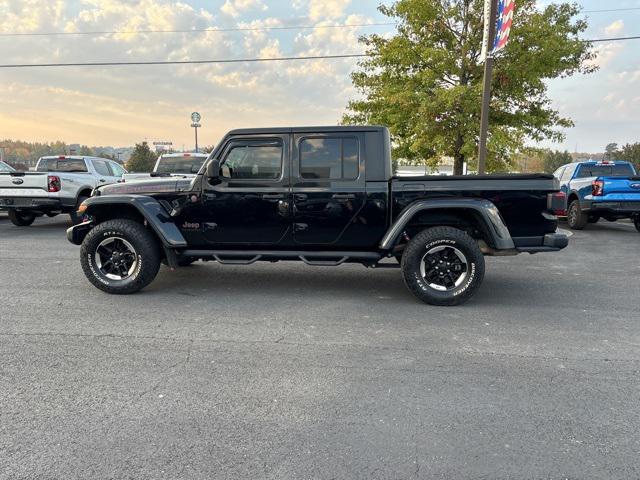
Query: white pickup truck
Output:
(59,185)
(185,165)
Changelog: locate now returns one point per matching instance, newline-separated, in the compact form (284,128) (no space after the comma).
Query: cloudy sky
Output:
(122,105)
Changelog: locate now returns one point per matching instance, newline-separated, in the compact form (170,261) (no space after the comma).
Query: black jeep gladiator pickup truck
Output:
(323,196)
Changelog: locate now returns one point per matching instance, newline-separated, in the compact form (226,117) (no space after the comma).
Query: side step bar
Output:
(320,259)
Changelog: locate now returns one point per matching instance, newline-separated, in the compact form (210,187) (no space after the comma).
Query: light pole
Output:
(195,123)
(486,89)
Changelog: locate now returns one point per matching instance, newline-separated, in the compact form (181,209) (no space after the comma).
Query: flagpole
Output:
(486,88)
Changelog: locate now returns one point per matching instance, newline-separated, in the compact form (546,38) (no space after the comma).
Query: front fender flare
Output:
(151,210)
(487,211)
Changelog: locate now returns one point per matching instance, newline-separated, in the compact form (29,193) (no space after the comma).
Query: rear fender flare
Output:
(486,211)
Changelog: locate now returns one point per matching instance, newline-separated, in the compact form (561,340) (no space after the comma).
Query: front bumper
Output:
(77,233)
(551,242)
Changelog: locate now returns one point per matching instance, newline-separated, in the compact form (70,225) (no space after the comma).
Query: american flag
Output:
(505,18)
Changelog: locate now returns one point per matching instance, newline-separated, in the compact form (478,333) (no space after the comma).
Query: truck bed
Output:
(520,198)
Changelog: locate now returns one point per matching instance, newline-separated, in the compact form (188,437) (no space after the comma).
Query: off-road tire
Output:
(73,215)
(21,219)
(636,222)
(147,254)
(452,239)
(576,218)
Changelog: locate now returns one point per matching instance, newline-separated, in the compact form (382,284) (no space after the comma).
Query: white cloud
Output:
(236,7)
(125,104)
(614,28)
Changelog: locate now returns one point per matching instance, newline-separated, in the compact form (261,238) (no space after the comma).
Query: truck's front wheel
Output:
(443,266)
(120,256)
(21,219)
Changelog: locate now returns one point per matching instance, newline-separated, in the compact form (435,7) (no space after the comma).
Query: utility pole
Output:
(486,88)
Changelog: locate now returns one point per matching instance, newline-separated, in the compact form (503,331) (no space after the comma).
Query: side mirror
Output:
(213,171)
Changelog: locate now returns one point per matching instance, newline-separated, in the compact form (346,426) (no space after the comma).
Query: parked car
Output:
(59,185)
(4,167)
(185,165)
(323,196)
(593,190)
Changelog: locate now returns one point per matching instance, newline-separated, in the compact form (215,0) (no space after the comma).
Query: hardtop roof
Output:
(325,129)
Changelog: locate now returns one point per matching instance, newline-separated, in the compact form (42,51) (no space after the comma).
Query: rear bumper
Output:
(28,203)
(551,242)
(77,233)
(621,208)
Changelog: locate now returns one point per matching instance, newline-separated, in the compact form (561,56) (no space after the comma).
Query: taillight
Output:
(556,203)
(597,188)
(54,183)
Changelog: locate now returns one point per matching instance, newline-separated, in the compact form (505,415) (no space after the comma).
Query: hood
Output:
(147,187)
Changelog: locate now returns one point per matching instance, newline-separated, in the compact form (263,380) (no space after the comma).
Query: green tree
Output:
(425,83)
(142,159)
(611,151)
(554,159)
(631,153)
(86,151)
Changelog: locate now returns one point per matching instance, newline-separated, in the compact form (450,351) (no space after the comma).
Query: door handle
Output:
(273,196)
(301,197)
(343,196)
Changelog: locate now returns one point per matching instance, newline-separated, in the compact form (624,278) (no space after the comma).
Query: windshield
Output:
(596,170)
(5,168)
(182,165)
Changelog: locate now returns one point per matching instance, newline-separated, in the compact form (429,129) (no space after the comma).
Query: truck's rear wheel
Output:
(21,219)
(443,266)
(576,219)
(120,256)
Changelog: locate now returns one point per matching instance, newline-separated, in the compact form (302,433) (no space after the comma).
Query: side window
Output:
(568,173)
(329,158)
(102,168)
(558,173)
(253,161)
(117,170)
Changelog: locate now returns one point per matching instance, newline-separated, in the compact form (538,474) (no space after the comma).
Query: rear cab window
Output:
(182,165)
(69,165)
(605,170)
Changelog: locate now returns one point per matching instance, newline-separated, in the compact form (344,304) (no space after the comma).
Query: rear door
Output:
(328,188)
(105,174)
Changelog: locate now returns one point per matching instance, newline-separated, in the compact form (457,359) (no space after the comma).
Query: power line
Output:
(232,60)
(196,30)
(611,10)
(613,39)
(182,62)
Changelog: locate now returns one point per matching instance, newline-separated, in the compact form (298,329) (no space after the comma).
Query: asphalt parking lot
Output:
(287,371)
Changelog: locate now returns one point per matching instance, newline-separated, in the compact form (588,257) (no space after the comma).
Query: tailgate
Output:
(621,185)
(24,184)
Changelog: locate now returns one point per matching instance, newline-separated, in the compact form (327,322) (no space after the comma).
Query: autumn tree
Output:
(425,82)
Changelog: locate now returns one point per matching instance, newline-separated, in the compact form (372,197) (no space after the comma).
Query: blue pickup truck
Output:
(592,190)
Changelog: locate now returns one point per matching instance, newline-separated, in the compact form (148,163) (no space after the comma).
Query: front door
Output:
(251,204)
(329,189)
